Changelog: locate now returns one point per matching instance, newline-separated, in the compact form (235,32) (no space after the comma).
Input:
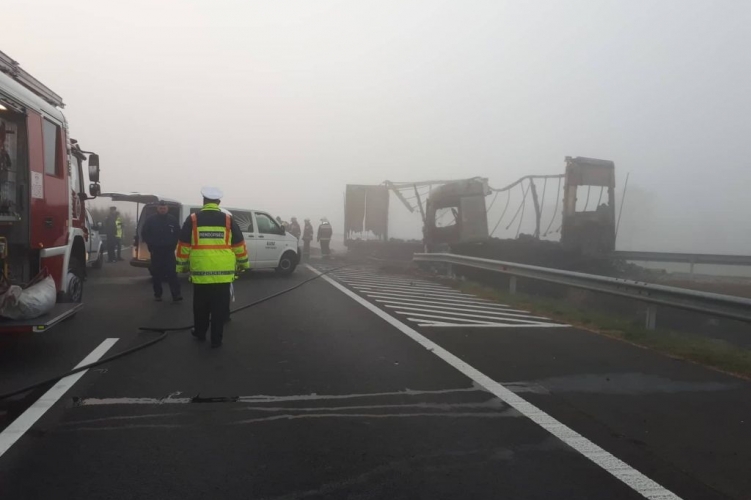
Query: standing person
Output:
(160,233)
(307,237)
(324,237)
(110,229)
(212,247)
(294,228)
(118,237)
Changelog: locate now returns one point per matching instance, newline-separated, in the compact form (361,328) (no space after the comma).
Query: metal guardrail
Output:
(714,304)
(688,258)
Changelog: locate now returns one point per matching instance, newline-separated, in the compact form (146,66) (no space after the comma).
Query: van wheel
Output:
(287,264)
(74,291)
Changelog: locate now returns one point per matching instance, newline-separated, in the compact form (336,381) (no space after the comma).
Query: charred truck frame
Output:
(455,211)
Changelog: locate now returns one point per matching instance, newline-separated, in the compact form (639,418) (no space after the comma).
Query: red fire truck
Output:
(42,195)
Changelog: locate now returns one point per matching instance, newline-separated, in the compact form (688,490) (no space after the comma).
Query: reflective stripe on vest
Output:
(212,259)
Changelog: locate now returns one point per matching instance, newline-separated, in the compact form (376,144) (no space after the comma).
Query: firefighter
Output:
(294,228)
(324,237)
(212,247)
(307,237)
(160,232)
(113,228)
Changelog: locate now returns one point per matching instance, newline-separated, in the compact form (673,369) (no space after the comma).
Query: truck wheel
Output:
(99,260)
(74,292)
(287,264)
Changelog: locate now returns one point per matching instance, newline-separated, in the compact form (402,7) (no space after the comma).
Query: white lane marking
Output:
(411,284)
(608,462)
(414,295)
(391,286)
(438,301)
(432,324)
(484,319)
(448,295)
(23,423)
(458,306)
(462,312)
(265,398)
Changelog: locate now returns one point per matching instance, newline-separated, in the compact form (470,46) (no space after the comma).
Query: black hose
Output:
(164,332)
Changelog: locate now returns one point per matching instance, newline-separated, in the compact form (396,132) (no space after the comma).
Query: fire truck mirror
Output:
(95,189)
(94,167)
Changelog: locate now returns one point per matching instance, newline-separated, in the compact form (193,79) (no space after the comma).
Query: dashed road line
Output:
(14,431)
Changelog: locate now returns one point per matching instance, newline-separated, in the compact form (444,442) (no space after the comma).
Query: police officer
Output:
(113,228)
(160,232)
(119,237)
(212,247)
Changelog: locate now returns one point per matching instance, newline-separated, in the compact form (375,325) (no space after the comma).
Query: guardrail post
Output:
(651,316)
(691,271)
(512,285)
(450,271)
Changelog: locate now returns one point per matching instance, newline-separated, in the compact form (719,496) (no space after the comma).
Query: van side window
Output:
(244,220)
(266,224)
(51,137)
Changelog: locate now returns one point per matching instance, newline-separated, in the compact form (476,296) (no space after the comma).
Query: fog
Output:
(281,104)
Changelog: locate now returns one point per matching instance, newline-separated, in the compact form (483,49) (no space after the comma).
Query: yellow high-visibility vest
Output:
(210,257)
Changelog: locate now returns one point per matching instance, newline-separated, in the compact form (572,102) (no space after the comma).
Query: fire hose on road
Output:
(164,333)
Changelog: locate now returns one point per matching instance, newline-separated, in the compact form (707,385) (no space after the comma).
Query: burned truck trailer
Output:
(366,213)
(591,232)
(455,212)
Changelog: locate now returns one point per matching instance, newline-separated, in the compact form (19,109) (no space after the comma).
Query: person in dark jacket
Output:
(324,237)
(160,233)
(307,237)
(294,228)
(111,230)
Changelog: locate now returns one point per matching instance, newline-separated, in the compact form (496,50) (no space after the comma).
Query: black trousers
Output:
(306,248)
(210,306)
(325,250)
(111,246)
(119,248)
(163,264)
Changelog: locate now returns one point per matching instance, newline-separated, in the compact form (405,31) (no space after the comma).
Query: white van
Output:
(269,245)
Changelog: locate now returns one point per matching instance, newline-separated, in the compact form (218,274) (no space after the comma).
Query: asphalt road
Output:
(362,384)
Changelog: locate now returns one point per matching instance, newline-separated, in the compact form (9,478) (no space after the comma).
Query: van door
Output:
(269,246)
(244,220)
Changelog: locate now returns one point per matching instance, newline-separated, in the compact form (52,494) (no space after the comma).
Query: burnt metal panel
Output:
(366,211)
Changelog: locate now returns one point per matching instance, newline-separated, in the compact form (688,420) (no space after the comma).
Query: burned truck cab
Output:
(455,212)
(589,206)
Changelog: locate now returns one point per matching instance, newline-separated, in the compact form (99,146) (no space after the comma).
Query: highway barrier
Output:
(713,304)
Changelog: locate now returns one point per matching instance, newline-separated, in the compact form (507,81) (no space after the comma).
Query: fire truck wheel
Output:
(74,293)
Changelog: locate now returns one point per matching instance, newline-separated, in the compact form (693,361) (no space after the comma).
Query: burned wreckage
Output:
(455,213)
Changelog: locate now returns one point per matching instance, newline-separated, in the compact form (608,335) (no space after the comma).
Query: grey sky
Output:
(283,103)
